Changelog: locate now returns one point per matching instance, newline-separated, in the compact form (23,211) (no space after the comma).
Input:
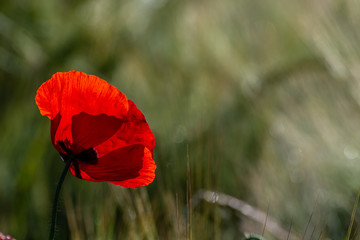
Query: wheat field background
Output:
(260,98)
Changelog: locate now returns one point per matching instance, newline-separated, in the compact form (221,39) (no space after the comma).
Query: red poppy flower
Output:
(95,122)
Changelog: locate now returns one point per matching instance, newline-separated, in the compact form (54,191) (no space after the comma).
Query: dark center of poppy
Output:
(88,156)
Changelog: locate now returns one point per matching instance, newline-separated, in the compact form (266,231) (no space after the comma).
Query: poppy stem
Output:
(56,198)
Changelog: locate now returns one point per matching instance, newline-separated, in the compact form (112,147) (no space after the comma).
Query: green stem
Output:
(58,188)
(353,216)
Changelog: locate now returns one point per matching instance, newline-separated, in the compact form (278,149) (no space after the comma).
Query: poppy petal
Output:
(53,129)
(131,166)
(95,122)
(134,130)
(77,92)
(89,131)
(146,174)
(74,92)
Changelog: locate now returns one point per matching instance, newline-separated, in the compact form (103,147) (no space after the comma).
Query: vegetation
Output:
(260,98)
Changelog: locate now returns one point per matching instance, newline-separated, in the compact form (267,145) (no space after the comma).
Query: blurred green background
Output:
(262,98)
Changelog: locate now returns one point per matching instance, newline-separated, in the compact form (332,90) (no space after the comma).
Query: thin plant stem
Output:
(267,214)
(288,236)
(308,223)
(188,190)
(56,198)
(353,216)
(177,216)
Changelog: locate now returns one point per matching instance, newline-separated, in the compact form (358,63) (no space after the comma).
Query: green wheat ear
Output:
(254,237)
